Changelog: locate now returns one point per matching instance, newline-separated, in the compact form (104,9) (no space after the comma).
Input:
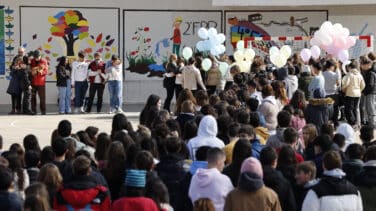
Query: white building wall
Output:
(137,89)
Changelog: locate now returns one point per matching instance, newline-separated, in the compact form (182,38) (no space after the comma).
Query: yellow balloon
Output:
(239,56)
(249,54)
(285,51)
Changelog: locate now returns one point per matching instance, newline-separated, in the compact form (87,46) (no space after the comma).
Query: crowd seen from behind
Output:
(270,139)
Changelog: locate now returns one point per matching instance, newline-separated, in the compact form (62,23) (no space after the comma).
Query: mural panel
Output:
(58,31)
(150,36)
(242,24)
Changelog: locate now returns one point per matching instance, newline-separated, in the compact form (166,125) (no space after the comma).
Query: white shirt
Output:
(79,71)
(115,73)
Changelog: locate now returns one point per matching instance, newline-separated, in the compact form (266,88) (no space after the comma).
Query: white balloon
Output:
(215,51)
(327,28)
(315,52)
(343,56)
(345,32)
(305,54)
(206,64)
(187,53)
(221,38)
(222,48)
(203,33)
(337,27)
(240,45)
(285,51)
(273,51)
(325,38)
(223,67)
(249,54)
(200,46)
(314,41)
(207,45)
(212,32)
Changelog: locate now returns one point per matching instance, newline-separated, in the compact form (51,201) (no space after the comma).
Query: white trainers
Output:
(119,110)
(111,110)
(82,110)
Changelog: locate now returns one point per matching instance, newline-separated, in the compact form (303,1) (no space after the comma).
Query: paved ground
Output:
(14,128)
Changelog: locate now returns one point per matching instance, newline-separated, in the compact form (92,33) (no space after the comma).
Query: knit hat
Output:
(135,178)
(252,165)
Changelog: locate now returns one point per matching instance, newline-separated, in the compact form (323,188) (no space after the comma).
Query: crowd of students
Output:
(258,144)
(28,79)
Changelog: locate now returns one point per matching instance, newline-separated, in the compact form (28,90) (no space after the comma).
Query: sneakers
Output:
(119,110)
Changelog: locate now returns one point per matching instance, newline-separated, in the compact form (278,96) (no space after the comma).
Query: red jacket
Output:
(40,78)
(94,66)
(134,204)
(82,193)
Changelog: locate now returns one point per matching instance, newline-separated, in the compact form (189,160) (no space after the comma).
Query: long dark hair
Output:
(120,122)
(286,157)
(298,100)
(102,145)
(115,157)
(15,165)
(151,104)
(61,61)
(157,191)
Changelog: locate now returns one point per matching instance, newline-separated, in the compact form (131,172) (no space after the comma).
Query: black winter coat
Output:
(170,170)
(276,181)
(366,183)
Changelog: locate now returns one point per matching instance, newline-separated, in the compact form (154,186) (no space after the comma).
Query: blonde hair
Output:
(312,131)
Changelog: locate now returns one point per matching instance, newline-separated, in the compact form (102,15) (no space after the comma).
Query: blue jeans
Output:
(115,89)
(80,88)
(64,98)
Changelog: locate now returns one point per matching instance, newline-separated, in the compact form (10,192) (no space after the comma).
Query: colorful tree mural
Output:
(71,26)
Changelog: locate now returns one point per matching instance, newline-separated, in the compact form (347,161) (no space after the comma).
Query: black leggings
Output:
(16,102)
(170,94)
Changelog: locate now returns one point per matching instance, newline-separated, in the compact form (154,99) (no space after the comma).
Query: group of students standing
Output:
(28,78)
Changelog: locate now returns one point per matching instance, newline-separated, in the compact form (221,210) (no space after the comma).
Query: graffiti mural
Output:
(242,24)
(151,36)
(66,31)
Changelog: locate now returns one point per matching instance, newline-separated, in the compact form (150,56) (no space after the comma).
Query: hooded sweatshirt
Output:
(252,194)
(206,136)
(210,183)
(349,133)
(291,82)
(353,83)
